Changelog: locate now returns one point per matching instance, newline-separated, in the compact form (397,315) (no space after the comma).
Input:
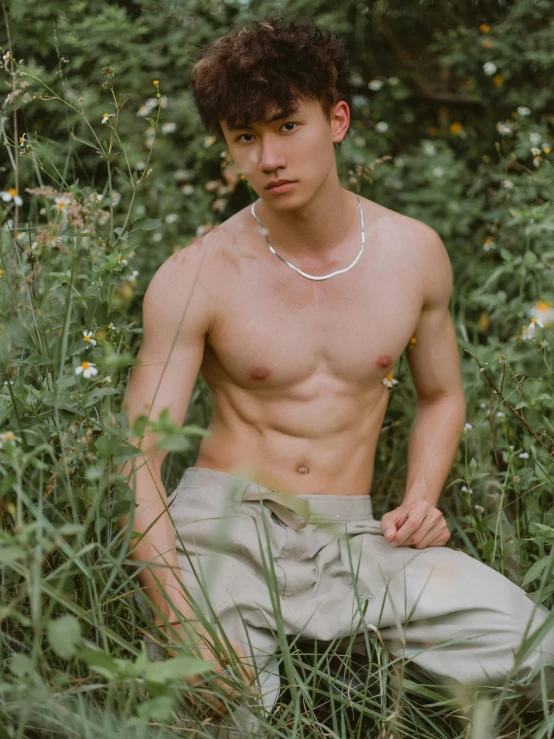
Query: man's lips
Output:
(279,182)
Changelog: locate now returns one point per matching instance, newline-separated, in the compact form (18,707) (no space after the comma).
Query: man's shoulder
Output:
(408,230)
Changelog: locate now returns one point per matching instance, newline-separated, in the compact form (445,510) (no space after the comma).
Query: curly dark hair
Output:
(271,63)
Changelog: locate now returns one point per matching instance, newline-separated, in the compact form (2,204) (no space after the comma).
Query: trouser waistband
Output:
(293,510)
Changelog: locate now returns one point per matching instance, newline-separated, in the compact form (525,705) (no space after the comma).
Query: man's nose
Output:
(271,156)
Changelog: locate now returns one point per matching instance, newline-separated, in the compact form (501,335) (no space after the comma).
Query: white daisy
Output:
(87,368)
(8,436)
(489,68)
(375,84)
(11,194)
(87,337)
(106,117)
(468,426)
(543,312)
(389,381)
(524,455)
(523,110)
(169,127)
(382,126)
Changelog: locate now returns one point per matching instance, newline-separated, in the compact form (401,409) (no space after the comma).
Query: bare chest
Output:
(277,329)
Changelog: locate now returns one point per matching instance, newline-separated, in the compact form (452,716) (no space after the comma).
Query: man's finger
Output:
(410,527)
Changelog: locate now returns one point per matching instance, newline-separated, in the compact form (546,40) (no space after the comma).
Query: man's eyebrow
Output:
(277,117)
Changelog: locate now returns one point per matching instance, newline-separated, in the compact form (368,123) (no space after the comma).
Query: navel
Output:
(384,361)
(303,469)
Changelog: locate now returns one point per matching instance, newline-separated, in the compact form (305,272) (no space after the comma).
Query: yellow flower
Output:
(456,128)
(484,28)
(498,80)
(156,82)
(546,149)
(389,381)
(487,44)
(1,272)
(484,321)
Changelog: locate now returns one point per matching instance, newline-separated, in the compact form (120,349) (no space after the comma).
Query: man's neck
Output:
(316,229)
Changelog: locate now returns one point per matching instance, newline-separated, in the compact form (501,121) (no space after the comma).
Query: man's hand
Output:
(417,524)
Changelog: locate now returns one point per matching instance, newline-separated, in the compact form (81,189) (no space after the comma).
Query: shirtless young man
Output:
(295,351)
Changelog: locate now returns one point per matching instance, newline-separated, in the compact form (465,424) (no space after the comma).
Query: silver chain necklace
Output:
(314,277)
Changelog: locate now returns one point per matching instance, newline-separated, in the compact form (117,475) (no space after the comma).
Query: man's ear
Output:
(340,121)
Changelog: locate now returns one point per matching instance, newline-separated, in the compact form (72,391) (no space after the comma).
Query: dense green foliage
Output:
(452,124)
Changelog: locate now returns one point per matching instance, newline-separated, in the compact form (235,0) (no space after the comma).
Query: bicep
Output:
(434,360)
(176,320)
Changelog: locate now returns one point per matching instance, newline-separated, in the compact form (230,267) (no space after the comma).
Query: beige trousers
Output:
(447,612)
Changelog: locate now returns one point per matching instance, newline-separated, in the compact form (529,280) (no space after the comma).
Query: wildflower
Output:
(8,382)
(413,341)
(106,117)
(7,56)
(1,272)
(504,128)
(22,141)
(208,141)
(359,100)
(482,405)
(508,184)
(438,171)
(544,311)
(467,426)
(11,194)
(375,84)
(393,80)
(536,152)
(111,327)
(169,127)
(511,448)
(140,166)
(8,436)
(429,148)
(537,161)
(489,243)
(456,128)
(156,82)
(465,489)
(529,331)
(479,508)
(62,203)
(489,68)
(87,337)
(498,80)
(120,260)
(484,28)
(389,381)
(523,455)
(523,110)
(545,148)
(87,368)
(382,126)
(535,137)
(500,414)
(157,237)
(171,218)
(487,44)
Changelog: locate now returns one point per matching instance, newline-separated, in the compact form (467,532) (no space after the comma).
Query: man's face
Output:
(299,148)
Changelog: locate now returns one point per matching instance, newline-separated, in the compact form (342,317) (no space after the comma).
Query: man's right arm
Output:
(177,316)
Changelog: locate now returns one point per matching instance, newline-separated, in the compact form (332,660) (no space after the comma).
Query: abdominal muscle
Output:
(319,445)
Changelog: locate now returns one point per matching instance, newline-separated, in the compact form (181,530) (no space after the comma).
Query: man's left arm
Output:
(441,406)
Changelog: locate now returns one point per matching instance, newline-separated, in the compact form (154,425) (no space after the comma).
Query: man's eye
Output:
(288,123)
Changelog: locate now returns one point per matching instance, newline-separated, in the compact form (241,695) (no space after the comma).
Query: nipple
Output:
(260,373)
(384,361)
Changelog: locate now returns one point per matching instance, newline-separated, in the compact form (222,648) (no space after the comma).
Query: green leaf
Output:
(535,571)
(156,709)
(176,668)
(153,122)
(88,143)
(146,224)
(11,554)
(64,635)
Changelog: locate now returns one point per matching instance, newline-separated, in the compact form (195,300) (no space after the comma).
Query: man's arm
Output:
(435,367)
(177,316)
